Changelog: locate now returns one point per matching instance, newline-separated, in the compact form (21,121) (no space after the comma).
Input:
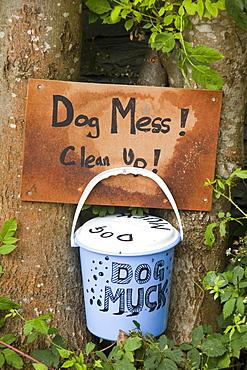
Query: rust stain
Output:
(76,130)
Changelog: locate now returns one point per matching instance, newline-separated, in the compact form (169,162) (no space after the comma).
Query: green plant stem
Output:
(21,353)
(232,202)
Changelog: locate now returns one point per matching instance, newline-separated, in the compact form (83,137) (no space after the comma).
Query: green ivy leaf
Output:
(206,77)
(98,7)
(205,54)
(235,9)
(12,358)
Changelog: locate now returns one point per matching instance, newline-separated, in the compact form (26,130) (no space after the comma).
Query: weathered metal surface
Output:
(76,130)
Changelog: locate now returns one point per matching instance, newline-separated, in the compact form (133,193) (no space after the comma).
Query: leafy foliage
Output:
(166,22)
(206,349)
(237,9)
(223,188)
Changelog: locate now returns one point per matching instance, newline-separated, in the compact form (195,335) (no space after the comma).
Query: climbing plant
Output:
(166,22)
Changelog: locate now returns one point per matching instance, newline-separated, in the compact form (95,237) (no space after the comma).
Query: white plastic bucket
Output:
(126,264)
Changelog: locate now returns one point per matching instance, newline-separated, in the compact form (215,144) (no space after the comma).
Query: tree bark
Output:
(38,39)
(190,306)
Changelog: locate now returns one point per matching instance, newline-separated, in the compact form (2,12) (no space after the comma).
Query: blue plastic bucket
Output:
(126,264)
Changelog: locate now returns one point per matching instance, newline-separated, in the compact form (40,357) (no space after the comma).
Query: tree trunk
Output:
(38,39)
(190,306)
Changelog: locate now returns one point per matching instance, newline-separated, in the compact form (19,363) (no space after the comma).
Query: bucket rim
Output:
(128,254)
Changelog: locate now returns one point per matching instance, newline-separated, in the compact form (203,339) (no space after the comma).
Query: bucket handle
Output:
(124,171)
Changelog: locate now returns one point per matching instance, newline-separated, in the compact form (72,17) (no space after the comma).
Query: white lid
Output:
(127,235)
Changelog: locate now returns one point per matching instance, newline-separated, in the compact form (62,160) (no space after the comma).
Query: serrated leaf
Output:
(12,358)
(206,77)
(41,326)
(213,347)
(98,7)
(174,355)
(186,347)
(162,343)
(164,41)
(228,307)
(197,335)
(205,54)
(123,364)
(9,228)
(45,356)
(167,364)
(28,327)
(7,304)
(8,338)
(236,11)
(2,360)
(10,240)
(240,305)
(32,337)
(194,357)
(131,344)
(6,249)
(237,274)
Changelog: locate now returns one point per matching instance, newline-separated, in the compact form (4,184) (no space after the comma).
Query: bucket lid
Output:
(127,235)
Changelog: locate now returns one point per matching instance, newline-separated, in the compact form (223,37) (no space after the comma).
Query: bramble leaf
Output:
(206,77)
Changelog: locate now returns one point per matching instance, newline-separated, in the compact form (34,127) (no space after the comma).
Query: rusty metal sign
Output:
(76,130)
